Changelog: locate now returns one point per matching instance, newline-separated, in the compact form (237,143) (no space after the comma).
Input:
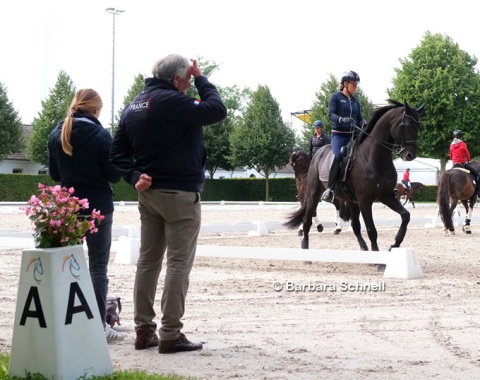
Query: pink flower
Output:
(54,215)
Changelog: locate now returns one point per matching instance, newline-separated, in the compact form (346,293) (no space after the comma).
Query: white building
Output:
(19,162)
(286,172)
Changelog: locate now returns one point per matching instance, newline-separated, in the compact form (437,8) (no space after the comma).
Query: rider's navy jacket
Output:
(88,171)
(341,106)
(160,134)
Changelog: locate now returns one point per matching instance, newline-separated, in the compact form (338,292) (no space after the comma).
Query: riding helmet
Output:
(318,124)
(350,76)
(457,134)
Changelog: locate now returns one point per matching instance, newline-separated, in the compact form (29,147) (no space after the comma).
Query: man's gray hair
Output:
(167,67)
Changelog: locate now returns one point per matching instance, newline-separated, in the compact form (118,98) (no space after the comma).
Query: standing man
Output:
(159,150)
(319,139)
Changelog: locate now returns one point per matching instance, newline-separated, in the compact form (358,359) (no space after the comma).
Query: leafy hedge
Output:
(19,188)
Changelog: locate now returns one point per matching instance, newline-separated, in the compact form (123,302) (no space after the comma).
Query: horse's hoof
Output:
(468,232)
(307,262)
(337,231)
(381,267)
(304,244)
(300,233)
(320,228)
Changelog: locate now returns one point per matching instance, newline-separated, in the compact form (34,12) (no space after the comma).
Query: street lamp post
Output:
(114,12)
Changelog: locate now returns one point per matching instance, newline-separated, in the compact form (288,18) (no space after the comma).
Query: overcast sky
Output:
(290,46)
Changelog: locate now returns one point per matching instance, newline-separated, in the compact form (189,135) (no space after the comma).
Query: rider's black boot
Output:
(477,188)
(327,196)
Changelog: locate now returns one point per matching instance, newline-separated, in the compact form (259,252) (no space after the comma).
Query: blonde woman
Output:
(79,149)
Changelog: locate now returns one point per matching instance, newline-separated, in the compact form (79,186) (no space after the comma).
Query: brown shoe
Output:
(145,339)
(178,345)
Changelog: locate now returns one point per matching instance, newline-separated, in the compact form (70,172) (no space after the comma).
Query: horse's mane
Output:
(376,115)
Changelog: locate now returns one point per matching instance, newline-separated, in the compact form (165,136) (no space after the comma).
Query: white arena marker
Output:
(400,262)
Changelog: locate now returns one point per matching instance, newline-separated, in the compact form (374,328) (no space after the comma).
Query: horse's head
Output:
(404,129)
(299,161)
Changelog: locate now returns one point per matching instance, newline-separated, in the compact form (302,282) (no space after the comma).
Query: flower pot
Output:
(57,330)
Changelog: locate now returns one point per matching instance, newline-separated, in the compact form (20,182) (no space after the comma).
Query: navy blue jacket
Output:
(88,170)
(160,134)
(341,106)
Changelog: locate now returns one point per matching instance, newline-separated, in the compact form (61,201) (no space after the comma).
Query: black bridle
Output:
(401,139)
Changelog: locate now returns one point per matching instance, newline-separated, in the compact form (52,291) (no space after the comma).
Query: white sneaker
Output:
(112,335)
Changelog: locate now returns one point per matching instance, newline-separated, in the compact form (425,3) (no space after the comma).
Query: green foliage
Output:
(249,190)
(54,109)
(10,126)
(19,188)
(123,191)
(133,91)
(320,108)
(217,136)
(261,140)
(440,75)
(118,375)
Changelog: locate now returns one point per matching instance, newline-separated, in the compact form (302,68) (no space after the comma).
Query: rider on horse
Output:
(345,114)
(406,180)
(460,156)
(318,140)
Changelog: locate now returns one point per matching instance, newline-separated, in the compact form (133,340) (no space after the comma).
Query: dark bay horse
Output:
(456,185)
(370,176)
(300,162)
(415,189)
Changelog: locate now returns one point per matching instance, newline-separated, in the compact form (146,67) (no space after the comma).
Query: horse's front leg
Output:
(356,227)
(396,206)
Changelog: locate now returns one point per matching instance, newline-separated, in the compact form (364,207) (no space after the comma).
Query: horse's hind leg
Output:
(357,228)
(338,221)
(367,215)
(317,221)
(307,220)
(468,211)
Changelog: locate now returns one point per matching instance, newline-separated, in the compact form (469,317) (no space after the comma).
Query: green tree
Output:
(54,109)
(440,75)
(133,91)
(217,136)
(10,126)
(319,109)
(262,140)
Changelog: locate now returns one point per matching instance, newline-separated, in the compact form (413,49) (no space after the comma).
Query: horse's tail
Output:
(296,218)
(443,200)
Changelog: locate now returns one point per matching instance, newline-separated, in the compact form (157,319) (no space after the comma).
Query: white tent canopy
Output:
(424,170)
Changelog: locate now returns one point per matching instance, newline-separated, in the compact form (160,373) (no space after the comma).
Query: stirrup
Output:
(328,196)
